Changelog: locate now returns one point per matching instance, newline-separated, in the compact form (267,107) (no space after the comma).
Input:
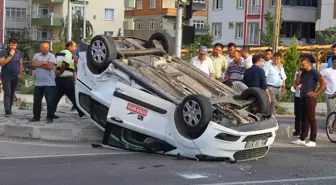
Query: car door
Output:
(140,111)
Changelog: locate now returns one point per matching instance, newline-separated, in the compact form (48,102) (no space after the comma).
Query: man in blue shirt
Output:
(255,76)
(333,48)
(12,69)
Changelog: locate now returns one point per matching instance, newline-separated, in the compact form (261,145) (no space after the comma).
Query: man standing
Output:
(219,62)
(297,106)
(65,75)
(308,78)
(203,62)
(12,69)
(275,79)
(236,69)
(255,76)
(44,62)
(268,57)
(330,76)
(231,51)
(245,51)
(333,49)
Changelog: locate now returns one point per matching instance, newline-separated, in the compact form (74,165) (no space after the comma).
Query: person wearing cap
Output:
(203,62)
(12,70)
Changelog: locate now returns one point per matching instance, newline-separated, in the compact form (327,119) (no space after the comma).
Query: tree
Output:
(204,40)
(329,35)
(267,37)
(77,28)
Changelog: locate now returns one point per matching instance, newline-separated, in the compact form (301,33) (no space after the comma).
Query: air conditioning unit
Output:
(231,25)
(129,4)
(129,25)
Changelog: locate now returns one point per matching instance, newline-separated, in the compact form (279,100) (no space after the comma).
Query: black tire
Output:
(262,102)
(203,113)
(105,44)
(333,125)
(166,41)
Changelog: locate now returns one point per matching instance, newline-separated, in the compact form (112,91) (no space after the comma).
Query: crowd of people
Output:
(240,70)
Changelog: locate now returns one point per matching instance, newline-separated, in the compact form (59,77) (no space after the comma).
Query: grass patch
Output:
(281,110)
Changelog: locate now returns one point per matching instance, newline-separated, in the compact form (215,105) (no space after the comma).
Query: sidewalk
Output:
(320,107)
(69,127)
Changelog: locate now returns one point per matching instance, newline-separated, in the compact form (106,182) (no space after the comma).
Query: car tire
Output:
(101,51)
(201,109)
(262,102)
(166,41)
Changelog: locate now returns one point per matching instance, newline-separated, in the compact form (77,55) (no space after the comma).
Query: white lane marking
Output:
(65,155)
(191,176)
(276,181)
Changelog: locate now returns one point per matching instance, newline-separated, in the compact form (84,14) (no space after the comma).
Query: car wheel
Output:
(194,114)
(102,50)
(164,41)
(261,105)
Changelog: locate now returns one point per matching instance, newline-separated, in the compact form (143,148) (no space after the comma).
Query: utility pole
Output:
(69,20)
(178,31)
(276,27)
(84,19)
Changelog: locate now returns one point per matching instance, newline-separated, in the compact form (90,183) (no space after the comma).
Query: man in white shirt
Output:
(268,57)
(330,76)
(203,62)
(245,52)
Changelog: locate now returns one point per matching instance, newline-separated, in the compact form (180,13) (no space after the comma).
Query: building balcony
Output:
(47,1)
(198,6)
(46,20)
(202,31)
(254,10)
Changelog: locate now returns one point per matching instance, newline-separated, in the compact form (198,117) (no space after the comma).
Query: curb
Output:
(50,134)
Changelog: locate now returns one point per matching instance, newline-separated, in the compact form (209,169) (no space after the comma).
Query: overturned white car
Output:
(148,100)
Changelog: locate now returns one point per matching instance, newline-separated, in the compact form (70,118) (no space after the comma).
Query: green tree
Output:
(204,40)
(290,65)
(329,35)
(267,36)
(77,28)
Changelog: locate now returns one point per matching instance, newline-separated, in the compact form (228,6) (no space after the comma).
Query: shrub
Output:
(26,84)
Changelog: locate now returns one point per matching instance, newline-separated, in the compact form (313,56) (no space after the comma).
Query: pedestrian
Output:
(330,76)
(308,78)
(297,106)
(65,75)
(218,60)
(231,51)
(12,70)
(333,49)
(76,59)
(236,69)
(275,79)
(268,57)
(255,76)
(44,62)
(203,62)
(245,52)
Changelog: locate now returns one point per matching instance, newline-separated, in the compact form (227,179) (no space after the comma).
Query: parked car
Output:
(146,99)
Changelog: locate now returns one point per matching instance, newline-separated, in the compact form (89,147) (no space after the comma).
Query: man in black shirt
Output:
(255,76)
(308,78)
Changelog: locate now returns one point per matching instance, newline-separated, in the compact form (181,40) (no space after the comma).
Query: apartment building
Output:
(326,17)
(16,22)
(149,16)
(47,17)
(2,22)
(240,21)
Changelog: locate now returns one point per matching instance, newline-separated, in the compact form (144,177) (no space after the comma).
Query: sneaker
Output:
(310,144)
(7,115)
(299,142)
(296,134)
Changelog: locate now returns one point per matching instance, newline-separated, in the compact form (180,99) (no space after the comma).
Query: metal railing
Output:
(254,9)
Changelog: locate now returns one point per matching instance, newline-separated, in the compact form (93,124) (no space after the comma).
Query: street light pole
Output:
(69,20)
(84,20)
(178,31)
(276,27)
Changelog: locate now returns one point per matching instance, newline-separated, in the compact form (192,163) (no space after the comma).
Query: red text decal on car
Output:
(137,109)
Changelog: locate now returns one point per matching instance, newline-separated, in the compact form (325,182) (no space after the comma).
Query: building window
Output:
(44,34)
(17,33)
(198,24)
(298,29)
(16,13)
(239,30)
(253,34)
(152,24)
(217,30)
(108,33)
(152,4)
(139,4)
(109,14)
(240,4)
(78,9)
(138,25)
(254,7)
(218,4)
(309,3)
(199,1)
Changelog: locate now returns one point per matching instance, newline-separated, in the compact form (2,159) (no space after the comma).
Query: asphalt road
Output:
(41,163)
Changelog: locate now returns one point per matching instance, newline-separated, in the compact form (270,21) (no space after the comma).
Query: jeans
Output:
(298,114)
(275,98)
(9,85)
(309,118)
(49,93)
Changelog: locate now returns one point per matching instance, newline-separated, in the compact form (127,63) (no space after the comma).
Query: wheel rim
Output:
(192,113)
(98,51)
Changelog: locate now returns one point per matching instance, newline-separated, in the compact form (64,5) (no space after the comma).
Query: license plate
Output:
(256,143)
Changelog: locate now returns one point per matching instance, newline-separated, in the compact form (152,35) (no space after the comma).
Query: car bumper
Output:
(221,142)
